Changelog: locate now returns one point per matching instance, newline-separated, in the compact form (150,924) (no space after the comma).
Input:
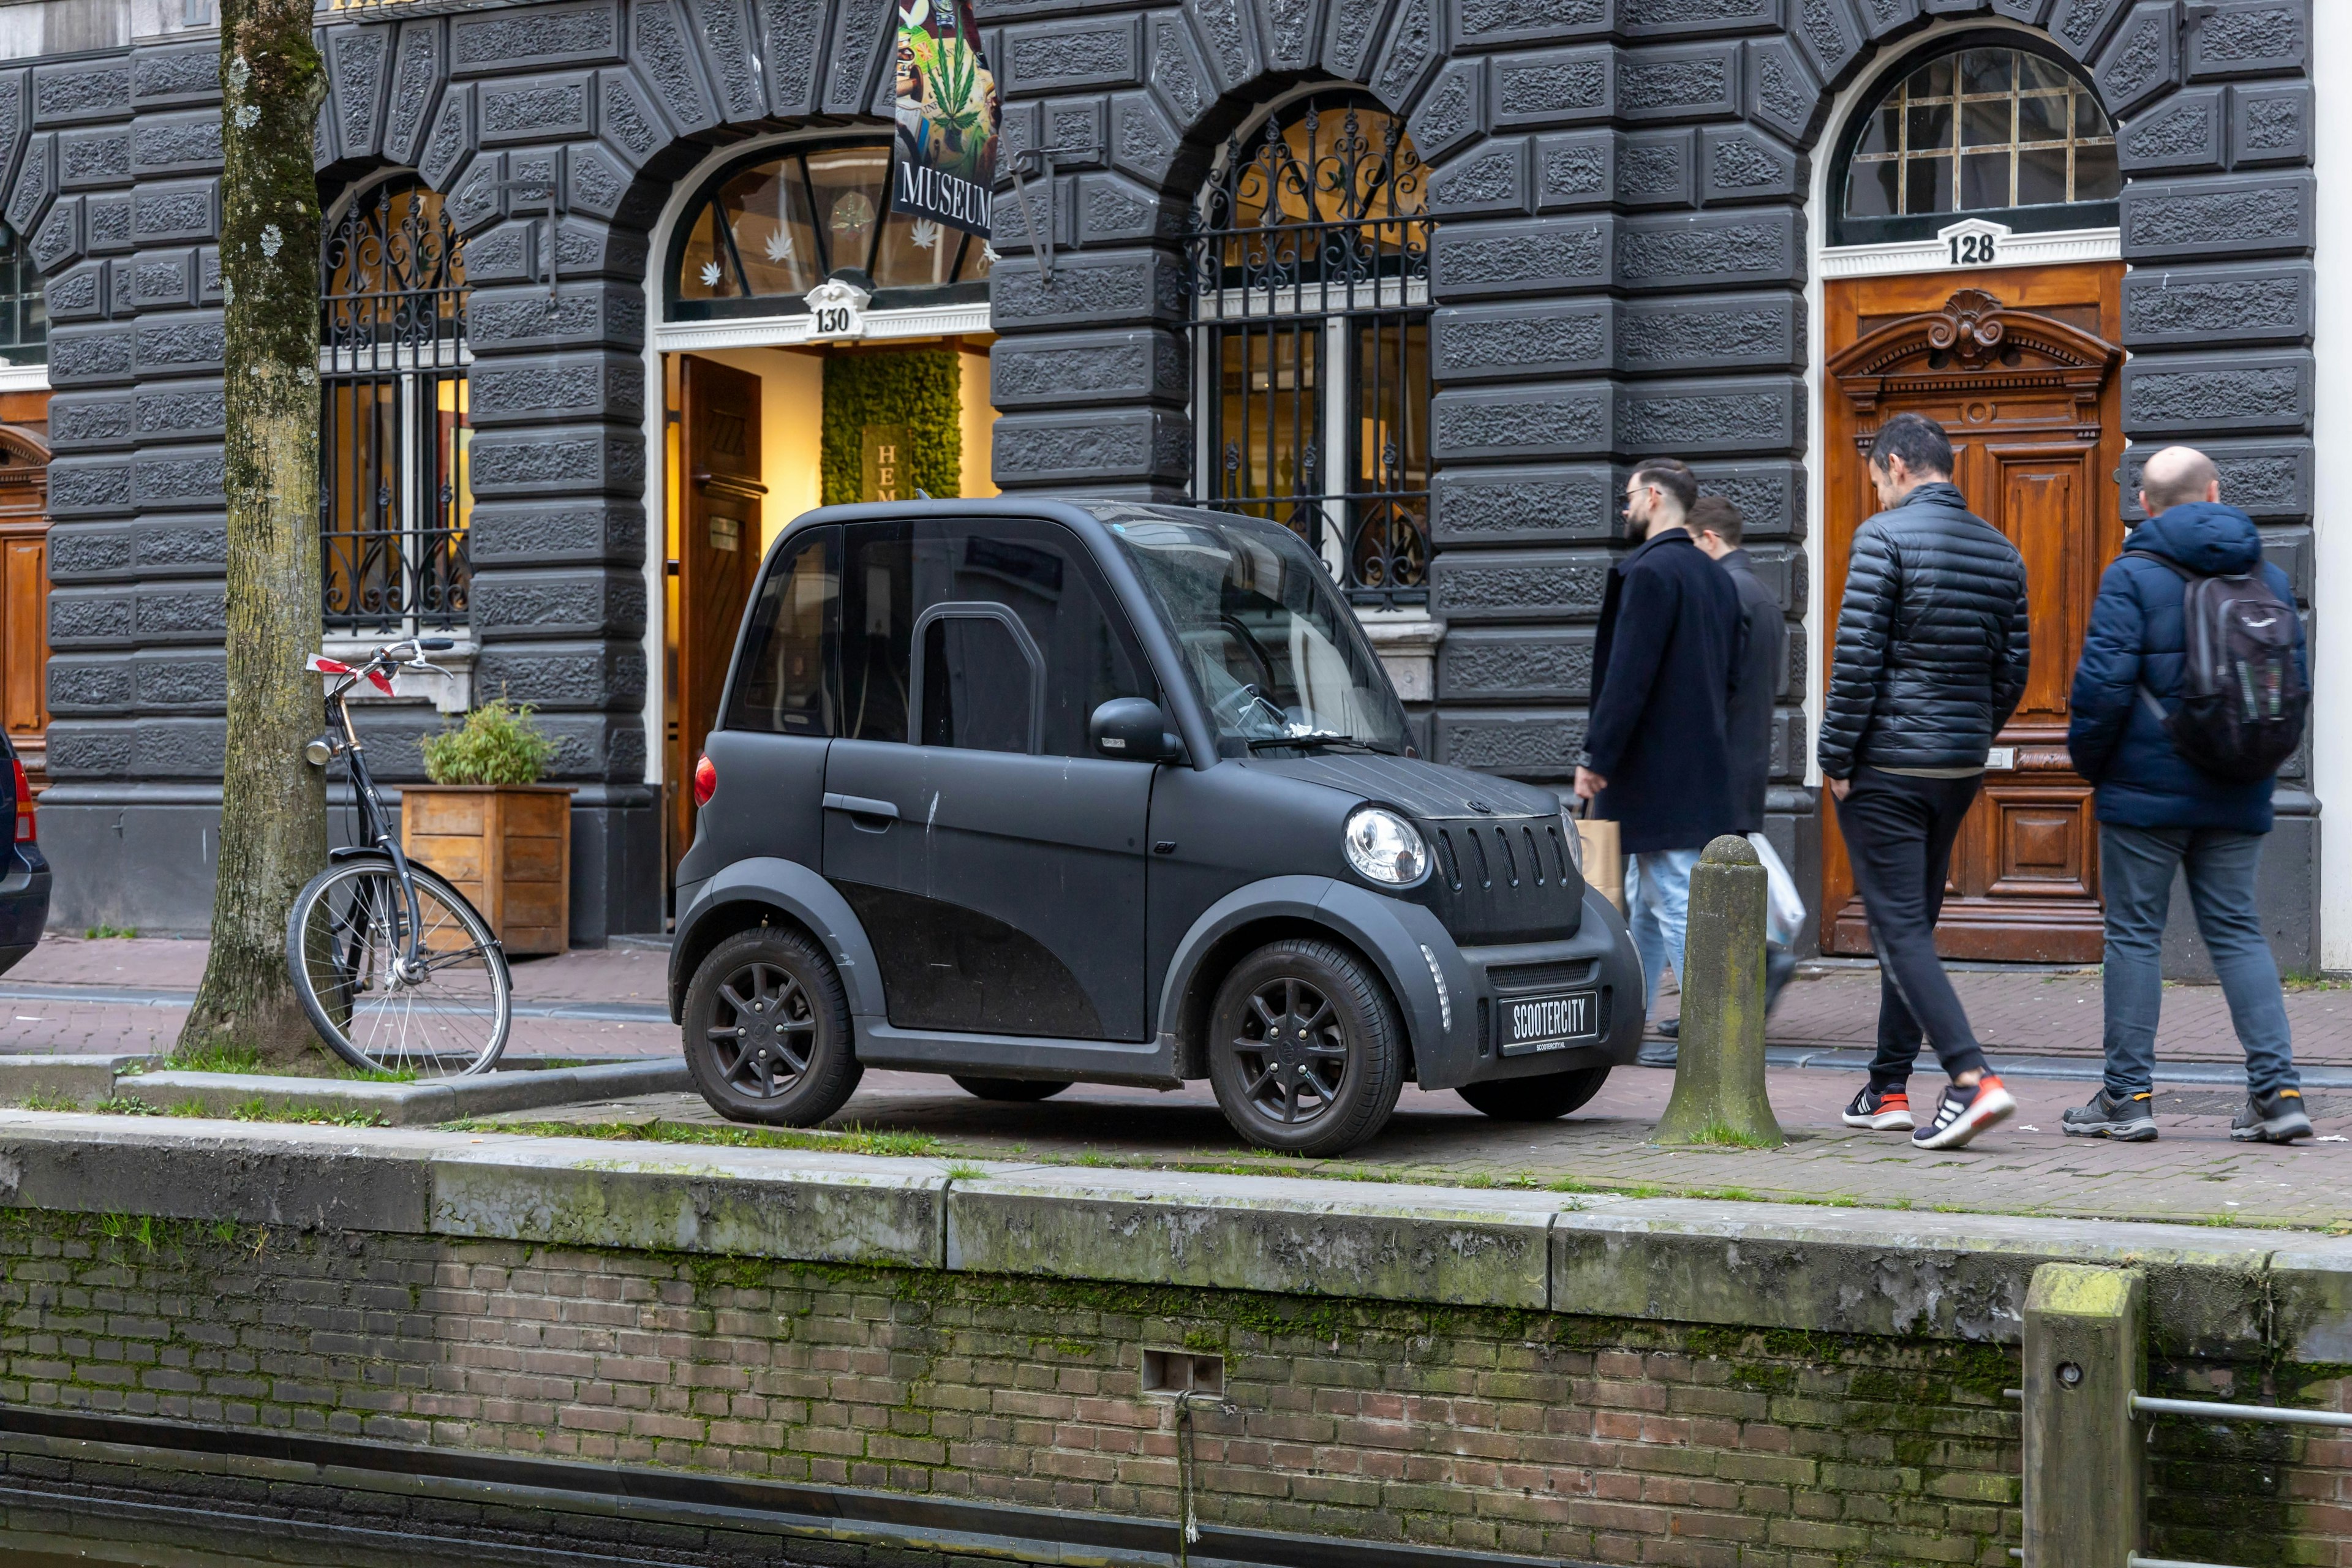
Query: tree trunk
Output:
(273,834)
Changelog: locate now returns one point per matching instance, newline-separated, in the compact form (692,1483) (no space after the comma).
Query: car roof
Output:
(1088,513)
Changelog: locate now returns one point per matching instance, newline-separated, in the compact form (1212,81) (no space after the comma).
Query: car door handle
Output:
(859,805)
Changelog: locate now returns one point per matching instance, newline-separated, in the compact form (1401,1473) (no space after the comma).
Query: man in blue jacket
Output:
(1655,752)
(2158,813)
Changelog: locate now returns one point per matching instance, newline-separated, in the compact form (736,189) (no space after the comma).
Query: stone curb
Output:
(411,1104)
(2212,1291)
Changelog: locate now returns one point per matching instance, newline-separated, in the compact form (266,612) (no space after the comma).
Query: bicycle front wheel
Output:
(444,1016)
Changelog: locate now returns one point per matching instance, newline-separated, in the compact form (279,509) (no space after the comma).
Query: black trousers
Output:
(1898,835)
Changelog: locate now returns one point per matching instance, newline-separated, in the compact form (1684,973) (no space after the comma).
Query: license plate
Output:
(1545,1023)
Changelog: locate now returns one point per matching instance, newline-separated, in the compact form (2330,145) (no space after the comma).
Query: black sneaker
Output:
(1965,1112)
(1887,1111)
(1658,1054)
(2272,1118)
(1671,1028)
(2126,1121)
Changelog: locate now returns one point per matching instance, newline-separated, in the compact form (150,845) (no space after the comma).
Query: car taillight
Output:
(706,780)
(27,828)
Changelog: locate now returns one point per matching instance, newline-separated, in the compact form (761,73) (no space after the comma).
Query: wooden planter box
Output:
(506,846)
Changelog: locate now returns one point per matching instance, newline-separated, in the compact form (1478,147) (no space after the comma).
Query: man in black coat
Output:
(1656,753)
(1931,659)
(1756,681)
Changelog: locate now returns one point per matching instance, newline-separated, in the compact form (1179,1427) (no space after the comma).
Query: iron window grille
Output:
(1308,268)
(394,496)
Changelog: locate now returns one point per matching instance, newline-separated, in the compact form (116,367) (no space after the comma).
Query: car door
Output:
(768,748)
(997,866)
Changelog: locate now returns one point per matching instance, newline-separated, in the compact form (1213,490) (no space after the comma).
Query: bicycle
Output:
(395,968)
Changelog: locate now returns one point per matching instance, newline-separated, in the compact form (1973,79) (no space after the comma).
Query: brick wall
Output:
(1591,1440)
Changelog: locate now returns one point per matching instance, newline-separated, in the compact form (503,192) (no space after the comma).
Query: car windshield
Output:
(1275,653)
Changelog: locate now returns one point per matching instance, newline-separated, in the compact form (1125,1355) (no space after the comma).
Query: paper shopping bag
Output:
(1604,863)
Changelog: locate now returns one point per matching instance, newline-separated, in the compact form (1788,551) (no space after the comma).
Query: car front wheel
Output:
(1305,1052)
(767,1030)
(1535,1099)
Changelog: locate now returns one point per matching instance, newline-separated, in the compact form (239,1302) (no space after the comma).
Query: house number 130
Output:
(834,321)
(1972,250)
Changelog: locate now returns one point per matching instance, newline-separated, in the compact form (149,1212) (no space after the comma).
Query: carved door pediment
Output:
(1978,344)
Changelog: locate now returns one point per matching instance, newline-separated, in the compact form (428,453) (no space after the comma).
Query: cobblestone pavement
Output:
(2192,1173)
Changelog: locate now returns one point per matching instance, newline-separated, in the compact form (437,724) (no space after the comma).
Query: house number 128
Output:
(1971,250)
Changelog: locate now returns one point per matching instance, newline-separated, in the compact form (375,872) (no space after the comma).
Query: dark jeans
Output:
(2136,871)
(1898,835)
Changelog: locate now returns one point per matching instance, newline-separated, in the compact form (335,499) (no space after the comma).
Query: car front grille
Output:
(1504,880)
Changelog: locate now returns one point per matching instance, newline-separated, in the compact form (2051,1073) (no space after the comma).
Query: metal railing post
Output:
(2085,1475)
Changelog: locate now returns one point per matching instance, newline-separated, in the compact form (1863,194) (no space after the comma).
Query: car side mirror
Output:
(1132,728)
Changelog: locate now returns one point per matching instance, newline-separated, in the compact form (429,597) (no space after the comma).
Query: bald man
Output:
(2160,815)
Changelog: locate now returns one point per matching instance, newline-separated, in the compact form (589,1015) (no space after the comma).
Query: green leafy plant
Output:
(499,743)
(918,390)
(108,933)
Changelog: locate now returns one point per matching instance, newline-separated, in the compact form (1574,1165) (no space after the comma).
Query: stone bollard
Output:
(2085,1461)
(1719,1094)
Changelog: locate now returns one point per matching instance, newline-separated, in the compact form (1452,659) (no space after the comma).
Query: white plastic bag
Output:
(1784,910)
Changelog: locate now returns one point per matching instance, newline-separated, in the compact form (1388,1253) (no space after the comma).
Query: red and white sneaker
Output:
(1881,1113)
(1965,1112)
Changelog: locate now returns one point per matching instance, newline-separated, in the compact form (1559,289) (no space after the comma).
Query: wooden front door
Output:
(25,596)
(2018,364)
(718,556)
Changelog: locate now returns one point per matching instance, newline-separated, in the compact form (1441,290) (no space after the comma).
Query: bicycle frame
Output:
(375,830)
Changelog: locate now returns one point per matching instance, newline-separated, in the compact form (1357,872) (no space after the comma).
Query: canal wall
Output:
(734,1355)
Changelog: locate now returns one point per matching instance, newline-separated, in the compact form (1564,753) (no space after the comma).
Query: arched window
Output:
(1309,272)
(1995,124)
(766,230)
(23,314)
(395,501)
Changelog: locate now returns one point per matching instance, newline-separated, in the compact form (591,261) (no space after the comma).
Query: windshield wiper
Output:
(1315,741)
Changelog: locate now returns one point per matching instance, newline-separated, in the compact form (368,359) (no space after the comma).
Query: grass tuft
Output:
(219,1056)
(111,934)
(125,1105)
(851,1140)
(36,1100)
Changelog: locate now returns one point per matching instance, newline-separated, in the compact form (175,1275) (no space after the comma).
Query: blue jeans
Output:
(1657,905)
(2135,867)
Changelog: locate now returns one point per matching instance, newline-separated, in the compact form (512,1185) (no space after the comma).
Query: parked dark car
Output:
(24,874)
(1031,793)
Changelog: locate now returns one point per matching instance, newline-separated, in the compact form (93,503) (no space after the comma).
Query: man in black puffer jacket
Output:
(1931,661)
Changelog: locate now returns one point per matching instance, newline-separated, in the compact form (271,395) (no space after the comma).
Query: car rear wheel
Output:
(1017,1091)
(767,1030)
(1535,1099)
(1305,1053)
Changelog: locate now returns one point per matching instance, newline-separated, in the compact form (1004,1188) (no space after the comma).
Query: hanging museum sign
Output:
(946,110)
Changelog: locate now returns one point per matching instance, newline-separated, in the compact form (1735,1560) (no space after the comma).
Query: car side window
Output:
(979,678)
(894,574)
(785,685)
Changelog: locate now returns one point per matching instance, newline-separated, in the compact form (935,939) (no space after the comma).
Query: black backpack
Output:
(2243,702)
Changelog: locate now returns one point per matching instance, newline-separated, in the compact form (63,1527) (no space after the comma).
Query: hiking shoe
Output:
(1887,1111)
(1963,1113)
(2126,1121)
(2272,1118)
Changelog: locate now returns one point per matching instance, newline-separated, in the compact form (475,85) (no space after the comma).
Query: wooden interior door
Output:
(2018,364)
(717,555)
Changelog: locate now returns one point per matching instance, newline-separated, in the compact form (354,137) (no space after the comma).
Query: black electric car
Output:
(1032,792)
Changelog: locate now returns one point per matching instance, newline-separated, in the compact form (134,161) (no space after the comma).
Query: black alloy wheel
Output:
(1011,1090)
(1305,1053)
(1535,1099)
(767,1030)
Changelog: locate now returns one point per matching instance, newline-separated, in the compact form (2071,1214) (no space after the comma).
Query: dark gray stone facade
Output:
(1622,187)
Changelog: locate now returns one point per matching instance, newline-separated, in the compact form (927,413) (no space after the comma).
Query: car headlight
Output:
(1575,842)
(1384,847)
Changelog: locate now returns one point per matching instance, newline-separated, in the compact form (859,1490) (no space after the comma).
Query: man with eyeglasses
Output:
(1656,759)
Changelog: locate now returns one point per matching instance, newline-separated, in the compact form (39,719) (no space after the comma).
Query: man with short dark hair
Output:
(1931,661)
(1747,720)
(1654,750)
(2161,815)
